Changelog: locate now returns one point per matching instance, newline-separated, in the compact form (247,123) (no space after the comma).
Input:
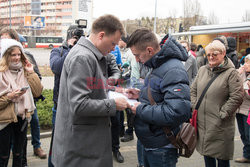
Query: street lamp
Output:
(155,16)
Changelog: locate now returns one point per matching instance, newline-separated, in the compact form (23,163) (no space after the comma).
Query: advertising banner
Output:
(35,22)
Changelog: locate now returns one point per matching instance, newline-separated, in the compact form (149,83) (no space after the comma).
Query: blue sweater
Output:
(57,57)
(117,54)
(170,89)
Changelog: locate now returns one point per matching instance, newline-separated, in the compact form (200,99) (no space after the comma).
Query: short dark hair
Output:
(193,46)
(12,33)
(143,37)
(107,23)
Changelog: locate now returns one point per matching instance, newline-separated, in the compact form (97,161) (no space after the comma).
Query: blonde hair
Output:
(216,46)
(5,60)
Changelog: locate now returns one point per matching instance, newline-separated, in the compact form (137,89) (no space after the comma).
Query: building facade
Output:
(58,15)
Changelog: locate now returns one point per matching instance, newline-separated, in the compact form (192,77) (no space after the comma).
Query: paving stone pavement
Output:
(128,150)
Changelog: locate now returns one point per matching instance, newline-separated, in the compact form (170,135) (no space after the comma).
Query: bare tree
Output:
(212,18)
(192,14)
(246,16)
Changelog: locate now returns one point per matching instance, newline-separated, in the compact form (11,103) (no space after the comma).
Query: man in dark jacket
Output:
(231,51)
(114,74)
(57,57)
(169,86)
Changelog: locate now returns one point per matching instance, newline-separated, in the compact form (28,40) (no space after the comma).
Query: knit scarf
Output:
(13,79)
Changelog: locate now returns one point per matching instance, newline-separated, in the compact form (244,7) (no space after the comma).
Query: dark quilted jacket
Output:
(170,89)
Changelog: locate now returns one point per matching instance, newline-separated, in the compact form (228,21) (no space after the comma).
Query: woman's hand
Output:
(15,94)
(241,70)
(28,66)
(248,84)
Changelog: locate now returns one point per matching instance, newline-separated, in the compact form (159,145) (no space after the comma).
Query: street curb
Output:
(42,135)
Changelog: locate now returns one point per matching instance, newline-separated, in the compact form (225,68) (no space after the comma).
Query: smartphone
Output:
(248,79)
(24,88)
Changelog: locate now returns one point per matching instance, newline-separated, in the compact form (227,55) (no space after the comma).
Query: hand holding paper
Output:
(133,93)
(133,108)
(114,95)
(121,104)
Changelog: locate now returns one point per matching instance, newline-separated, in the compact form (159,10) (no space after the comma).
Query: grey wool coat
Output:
(216,114)
(82,131)
(191,67)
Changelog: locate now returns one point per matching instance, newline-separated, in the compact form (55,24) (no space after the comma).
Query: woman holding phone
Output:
(16,104)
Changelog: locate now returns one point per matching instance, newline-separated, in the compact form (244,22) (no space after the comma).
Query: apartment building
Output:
(59,14)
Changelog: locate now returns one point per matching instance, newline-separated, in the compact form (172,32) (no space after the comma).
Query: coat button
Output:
(108,104)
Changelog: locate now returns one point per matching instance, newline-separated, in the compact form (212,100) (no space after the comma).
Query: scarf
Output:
(13,79)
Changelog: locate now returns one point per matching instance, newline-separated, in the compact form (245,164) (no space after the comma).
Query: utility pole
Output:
(10,11)
(155,16)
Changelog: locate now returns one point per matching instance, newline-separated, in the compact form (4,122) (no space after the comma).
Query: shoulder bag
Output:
(185,140)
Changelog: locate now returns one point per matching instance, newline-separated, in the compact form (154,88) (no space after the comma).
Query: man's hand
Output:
(133,93)
(71,41)
(121,104)
(133,108)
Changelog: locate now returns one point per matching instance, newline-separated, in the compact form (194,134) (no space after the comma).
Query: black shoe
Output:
(127,138)
(24,162)
(118,156)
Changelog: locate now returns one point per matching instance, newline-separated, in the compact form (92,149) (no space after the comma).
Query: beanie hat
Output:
(223,40)
(247,51)
(74,30)
(231,43)
(7,43)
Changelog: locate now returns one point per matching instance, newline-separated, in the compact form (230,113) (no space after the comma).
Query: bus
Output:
(43,41)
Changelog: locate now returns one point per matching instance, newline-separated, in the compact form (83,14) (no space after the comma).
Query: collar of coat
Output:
(227,64)
(89,45)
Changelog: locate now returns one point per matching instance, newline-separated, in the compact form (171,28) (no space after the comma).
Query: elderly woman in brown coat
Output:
(216,114)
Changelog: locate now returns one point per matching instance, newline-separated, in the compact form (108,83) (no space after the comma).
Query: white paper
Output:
(113,95)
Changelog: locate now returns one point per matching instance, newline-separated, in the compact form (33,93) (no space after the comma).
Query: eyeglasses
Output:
(214,54)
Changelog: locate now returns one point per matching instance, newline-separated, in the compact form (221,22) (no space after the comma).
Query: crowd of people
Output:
(88,125)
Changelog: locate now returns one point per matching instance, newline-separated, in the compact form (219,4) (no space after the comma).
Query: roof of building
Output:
(219,28)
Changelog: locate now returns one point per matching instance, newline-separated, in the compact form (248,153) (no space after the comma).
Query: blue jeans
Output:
(140,153)
(161,157)
(244,130)
(211,162)
(35,130)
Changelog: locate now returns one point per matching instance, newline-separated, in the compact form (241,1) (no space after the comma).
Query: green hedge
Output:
(44,109)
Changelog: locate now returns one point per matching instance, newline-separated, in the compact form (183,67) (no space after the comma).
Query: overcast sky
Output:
(227,11)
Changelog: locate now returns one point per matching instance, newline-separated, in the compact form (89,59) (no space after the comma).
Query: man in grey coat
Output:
(82,130)
(190,64)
